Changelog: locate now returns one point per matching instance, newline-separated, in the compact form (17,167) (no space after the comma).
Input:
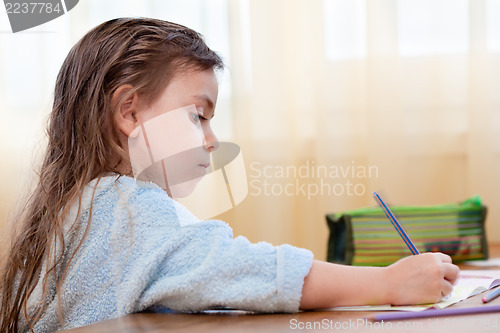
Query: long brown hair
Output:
(82,142)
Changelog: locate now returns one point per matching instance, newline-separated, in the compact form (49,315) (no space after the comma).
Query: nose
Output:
(210,142)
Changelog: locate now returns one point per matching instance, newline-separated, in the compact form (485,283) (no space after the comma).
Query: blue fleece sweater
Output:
(142,249)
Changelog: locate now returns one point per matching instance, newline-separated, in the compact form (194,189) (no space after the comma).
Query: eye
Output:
(201,113)
(195,118)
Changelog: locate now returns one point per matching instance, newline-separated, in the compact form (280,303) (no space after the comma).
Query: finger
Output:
(446,288)
(444,257)
(451,272)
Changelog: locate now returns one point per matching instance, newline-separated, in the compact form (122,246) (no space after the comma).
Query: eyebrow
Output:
(207,100)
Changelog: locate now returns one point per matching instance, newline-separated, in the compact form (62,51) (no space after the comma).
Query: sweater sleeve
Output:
(198,265)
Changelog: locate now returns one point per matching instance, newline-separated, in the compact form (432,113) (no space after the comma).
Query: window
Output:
(493,25)
(345,29)
(420,27)
(431,27)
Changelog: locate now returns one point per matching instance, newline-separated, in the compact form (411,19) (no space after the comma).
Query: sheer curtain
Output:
(404,92)
(329,100)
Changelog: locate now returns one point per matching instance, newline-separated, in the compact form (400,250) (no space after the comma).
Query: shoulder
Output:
(118,189)
(144,202)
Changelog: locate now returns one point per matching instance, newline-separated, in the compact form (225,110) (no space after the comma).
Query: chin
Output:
(184,189)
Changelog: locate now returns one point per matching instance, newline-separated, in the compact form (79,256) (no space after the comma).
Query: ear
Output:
(126,103)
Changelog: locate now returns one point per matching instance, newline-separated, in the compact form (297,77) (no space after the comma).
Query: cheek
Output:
(159,107)
(173,132)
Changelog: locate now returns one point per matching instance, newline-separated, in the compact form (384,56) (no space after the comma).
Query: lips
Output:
(205,165)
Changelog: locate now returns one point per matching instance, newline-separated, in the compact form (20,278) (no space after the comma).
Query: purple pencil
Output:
(437,313)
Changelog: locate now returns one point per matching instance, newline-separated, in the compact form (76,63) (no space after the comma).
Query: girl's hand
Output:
(420,279)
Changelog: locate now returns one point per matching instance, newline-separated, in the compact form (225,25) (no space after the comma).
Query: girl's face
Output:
(171,145)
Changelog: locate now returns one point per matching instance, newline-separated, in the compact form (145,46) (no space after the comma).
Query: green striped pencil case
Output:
(365,237)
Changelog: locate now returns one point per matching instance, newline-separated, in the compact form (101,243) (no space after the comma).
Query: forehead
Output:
(186,88)
(191,83)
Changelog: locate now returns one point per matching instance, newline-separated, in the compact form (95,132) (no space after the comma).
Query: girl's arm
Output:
(419,279)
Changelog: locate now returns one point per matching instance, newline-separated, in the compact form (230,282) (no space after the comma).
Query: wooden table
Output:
(311,321)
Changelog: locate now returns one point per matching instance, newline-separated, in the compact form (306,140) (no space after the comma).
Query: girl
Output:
(95,243)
